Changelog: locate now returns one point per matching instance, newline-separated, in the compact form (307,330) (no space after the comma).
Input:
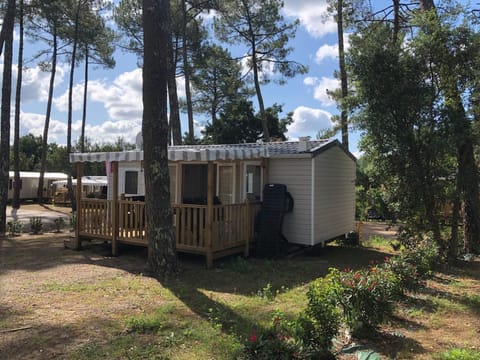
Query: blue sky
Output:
(115,96)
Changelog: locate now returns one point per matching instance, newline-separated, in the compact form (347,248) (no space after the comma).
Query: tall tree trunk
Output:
(7,34)
(343,75)
(84,112)
(396,20)
(16,131)
(468,180)
(175,125)
(43,161)
(71,194)
(258,90)
(162,257)
(186,71)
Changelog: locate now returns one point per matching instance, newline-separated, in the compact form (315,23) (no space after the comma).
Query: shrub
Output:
(277,343)
(321,321)
(365,297)
(36,225)
(73,220)
(409,278)
(59,224)
(14,227)
(424,255)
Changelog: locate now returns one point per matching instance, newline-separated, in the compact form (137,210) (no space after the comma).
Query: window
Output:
(253,181)
(131,182)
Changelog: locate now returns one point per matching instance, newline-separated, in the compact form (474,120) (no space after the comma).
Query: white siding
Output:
(296,174)
(334,194)
(122,168)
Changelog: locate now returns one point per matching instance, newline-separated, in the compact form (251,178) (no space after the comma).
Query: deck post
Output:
(210,215)
(114,169)
(248,220)
(78,195)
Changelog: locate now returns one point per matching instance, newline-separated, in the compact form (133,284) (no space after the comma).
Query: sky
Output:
(115,95)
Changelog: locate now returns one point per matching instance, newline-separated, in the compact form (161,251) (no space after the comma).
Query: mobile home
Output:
(29,184)
(320,176)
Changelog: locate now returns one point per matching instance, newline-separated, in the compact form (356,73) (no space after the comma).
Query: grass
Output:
(209,314)
(459,354)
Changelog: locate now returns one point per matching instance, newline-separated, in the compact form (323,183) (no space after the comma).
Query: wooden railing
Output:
(131,221)
(232,226)
(95,217)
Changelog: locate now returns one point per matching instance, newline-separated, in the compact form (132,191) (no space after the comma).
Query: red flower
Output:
(253,337)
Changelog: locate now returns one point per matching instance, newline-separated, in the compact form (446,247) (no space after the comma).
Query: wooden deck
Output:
(232,226)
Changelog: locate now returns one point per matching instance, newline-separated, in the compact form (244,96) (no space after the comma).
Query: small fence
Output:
(232,226)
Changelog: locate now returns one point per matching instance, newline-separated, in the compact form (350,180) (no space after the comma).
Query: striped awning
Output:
(245,151)
(179,154)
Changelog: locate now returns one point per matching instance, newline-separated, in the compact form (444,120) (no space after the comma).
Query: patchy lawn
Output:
(63,304)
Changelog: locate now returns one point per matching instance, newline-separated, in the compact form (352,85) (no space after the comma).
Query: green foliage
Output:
(36,225)
(423,253)
(238,124)
(144,324)
(59,224)
(246,23)
(73,220)
(459,354)
(14,227)
(267,292)
(277,343)
(241,265)
(409,279)
(320,322)
(365,297)
(217,81)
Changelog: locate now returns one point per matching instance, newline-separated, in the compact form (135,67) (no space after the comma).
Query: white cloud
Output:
(326,52)
(61,102)
(312,15)
(308,121)
(320,87)
(34,124)
(35,82)
(331,51)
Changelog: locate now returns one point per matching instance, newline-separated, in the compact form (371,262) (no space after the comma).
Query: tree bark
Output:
(468,180)
(186,73)
(16,131)
(71,194)
(162,258)
(84,113)
(343,75)
(175,125)
(43,162)
(7,34)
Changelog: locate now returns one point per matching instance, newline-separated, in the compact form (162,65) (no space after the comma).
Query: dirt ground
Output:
(37,323)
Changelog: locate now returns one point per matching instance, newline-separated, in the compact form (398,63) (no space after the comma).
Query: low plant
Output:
(144,324)
(59,224)
(425,256)
(277,342)
(408,277)
(320,322)
(241,265)
(365,297)
(14,227)
(36,225)
(459,354)
(73,220)
(267,292)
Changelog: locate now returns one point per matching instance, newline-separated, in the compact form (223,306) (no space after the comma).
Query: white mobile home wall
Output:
(29,180)
(323,189)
